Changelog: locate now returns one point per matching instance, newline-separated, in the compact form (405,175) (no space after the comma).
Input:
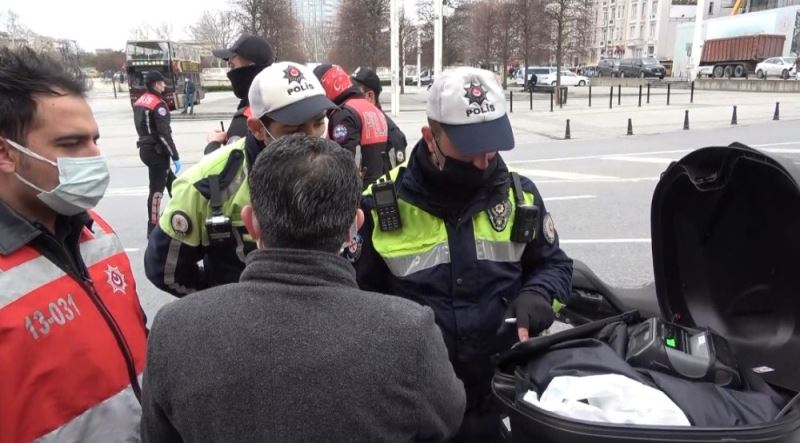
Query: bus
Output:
(175,61)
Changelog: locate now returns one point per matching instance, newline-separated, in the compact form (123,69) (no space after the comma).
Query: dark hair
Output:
(435,126)
(24,74)
(305,192)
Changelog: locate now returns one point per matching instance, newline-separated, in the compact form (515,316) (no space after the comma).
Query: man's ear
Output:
(251,222)
(427,135)
(8,165)
(359,218)
(255,126)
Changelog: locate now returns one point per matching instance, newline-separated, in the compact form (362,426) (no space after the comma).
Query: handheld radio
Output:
(526,217)
(218,226)
(386,203)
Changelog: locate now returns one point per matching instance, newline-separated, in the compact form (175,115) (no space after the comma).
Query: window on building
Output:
(644,9)
(605,16)
(633,11)
(631,32)
(650,50)
(710,8)
(652,31)
(655,9)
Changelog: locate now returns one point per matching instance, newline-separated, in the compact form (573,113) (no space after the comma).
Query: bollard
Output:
(669,88)
(734,120)
(686,121)
(630,127)
(777,115)
(691,95)
(590,96)
(551,101)
(531,94)
(511,101)
(114,86)
(619,95)
(648,93)
(567,134)
(611,98)
(640,96)
(561,97)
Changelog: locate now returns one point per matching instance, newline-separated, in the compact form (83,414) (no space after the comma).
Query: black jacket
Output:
(237,128)
(397,141)
(152,120)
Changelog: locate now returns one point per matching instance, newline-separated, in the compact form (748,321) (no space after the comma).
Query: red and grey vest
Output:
(71,351)
(374,130)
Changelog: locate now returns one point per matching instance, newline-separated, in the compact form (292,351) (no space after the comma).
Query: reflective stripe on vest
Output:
(63,376)
(374,129)
(423,242)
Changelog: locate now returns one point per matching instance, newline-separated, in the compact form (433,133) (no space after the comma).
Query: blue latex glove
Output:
(178,166)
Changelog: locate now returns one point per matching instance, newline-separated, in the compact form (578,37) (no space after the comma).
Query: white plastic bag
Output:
(609,398)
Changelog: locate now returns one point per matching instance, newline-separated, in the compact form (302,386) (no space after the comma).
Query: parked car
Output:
(568,78)
(641,67)
(542,73)
(608,67)
(705,71)
(783,67)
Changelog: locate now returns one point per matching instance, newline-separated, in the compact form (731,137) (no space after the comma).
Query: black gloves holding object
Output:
(533,311)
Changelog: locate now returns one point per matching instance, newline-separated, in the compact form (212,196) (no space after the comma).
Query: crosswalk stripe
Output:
(563,175)
(635,159)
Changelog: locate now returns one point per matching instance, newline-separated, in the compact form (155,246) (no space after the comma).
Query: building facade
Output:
(317,20)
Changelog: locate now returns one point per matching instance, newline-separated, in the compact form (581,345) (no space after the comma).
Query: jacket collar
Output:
(299,267)
(17,231)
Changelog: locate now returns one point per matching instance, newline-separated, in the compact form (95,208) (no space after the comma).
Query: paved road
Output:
(598,186)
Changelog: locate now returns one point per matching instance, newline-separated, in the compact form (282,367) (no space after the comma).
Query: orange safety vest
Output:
(69,349)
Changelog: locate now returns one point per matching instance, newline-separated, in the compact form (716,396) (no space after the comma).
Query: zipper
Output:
(80,274)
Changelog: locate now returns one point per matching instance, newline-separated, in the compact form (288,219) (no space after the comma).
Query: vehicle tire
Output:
(553,84)
(760,74)
(728,71)
(581,83)
(738,71)
(661,77)
(785,74)
(718,71)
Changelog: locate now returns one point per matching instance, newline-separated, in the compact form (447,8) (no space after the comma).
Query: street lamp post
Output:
(395,56)
(438,10)
(697,42)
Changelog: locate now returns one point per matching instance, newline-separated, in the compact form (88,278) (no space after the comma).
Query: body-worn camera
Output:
(526,217)
(219,229)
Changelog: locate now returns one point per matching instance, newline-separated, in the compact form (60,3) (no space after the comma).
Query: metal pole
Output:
(691,96)
(531,95)
(510,101)
(551,101)
(669,87)
(619,95)
(561,96)
(394,24)
(640,96)
(590,96)
(648,93)
(611,98)
(437,37)
(697,40)
(419,57)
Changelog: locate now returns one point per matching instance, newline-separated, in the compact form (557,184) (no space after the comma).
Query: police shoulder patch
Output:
(549,228)
(180,223)
(498,215)
(339,133)
(162,111)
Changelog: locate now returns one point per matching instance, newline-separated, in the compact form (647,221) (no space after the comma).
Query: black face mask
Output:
(464,174)
(241,78)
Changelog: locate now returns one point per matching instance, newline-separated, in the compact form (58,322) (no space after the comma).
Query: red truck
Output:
(738,56)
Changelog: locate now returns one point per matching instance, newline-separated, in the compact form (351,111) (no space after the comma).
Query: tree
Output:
(505,37)
(273,20)
(216,27)
(484,27)
(110,61)
(360,37)
(566,18)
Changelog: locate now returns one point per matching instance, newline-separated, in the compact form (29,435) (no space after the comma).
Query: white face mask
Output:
(82,182)
(266,142)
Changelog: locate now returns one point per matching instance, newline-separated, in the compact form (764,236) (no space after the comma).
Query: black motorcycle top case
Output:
(725,225)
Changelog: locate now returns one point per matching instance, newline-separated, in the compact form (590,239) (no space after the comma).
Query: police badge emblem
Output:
(498,215)
(352,250)
(549,229)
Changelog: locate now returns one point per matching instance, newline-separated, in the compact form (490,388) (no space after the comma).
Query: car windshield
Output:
(649,61)
(789,60)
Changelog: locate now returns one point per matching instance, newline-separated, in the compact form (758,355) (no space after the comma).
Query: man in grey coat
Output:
(295,351)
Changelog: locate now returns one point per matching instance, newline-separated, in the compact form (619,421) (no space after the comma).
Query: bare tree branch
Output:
(217,27)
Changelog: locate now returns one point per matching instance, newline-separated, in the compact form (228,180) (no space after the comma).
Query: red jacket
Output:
(72,347)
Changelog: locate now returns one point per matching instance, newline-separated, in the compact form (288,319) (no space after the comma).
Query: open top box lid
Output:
(726,253)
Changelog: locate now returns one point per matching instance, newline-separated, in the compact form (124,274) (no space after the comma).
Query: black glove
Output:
(532,311)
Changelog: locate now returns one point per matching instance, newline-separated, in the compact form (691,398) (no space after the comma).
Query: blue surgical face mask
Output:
(82,182)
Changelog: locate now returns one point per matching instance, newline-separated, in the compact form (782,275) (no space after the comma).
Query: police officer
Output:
(248,56)
(371,87)
(357,125)
(202,221)
(466,237)
(151,117)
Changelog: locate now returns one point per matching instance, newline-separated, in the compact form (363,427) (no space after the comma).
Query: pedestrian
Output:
(188,91)
(202,221)
(248,56)
(156,147)
(72,331)
(465,236)
(357,125)
(371,87)
(295,351)
(532,82)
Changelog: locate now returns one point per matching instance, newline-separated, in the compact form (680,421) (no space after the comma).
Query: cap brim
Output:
(224,54)
(300,112)
(481,138)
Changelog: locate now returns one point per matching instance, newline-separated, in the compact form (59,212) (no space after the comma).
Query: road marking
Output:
(590,241)
(570,197)
(782,151)
(135,191)
(609,180)
(563,175)
(775,144)
(595,157)
(131,249)
(635,159)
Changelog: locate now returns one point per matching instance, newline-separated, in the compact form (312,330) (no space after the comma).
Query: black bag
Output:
(726,243)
